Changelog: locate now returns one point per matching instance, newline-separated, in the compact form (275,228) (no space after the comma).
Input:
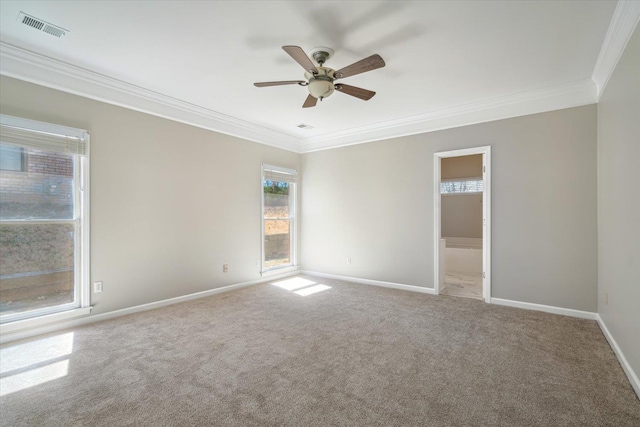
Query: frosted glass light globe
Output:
(320,88)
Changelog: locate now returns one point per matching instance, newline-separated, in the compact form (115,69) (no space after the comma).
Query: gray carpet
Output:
(349,355)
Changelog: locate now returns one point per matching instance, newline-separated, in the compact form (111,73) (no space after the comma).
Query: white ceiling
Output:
(196,62)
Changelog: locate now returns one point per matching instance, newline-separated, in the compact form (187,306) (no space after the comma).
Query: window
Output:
(278,217)
(11,158)
(43,219)
(462,186)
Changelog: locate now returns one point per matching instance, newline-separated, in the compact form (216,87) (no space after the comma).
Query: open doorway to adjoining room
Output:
(462,213)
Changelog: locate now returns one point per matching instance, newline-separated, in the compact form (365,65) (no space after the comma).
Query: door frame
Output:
(486,213)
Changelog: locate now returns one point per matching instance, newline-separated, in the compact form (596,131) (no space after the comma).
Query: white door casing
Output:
(486,215)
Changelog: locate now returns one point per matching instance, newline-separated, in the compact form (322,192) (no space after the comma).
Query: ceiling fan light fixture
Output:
(320,80)
(320,88)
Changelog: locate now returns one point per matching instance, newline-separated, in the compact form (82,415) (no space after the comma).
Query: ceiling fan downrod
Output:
(321,56)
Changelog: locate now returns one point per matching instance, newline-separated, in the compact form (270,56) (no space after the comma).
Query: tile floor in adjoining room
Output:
(467,285)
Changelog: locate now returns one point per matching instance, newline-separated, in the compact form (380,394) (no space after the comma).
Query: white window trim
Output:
(279,270)
(20,325)
(475,193)
(294,236)
(44,127)
(82,256)
(463,178)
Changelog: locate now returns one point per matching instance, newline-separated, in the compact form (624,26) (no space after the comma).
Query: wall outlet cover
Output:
(97,287)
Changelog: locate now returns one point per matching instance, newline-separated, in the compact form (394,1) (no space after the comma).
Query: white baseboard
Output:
(392,285)
(30,332)
(626,367)
(546,308)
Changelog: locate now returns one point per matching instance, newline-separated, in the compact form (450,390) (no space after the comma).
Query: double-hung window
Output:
(44,229)
(278,217)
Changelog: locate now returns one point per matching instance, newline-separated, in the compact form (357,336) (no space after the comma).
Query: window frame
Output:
(82,290)
(293,227)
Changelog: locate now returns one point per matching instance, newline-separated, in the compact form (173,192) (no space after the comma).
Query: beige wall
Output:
(374,203)
(618,204)
(461,167)
(461,213)
(170,203)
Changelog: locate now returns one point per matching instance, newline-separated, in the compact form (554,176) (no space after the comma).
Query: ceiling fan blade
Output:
(287,82)
(367,64)
(358,92)
(301,58)
(310,102)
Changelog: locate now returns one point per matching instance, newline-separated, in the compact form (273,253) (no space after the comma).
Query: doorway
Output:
(462,223)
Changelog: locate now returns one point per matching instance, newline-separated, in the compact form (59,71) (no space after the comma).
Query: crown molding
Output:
(623,23)
(574,94)
(39,69)
(35,68)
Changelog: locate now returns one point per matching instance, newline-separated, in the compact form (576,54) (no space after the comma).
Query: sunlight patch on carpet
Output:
(300,286)
(33,377)
(294,283)
(35,352)
(312,290)
(37,362)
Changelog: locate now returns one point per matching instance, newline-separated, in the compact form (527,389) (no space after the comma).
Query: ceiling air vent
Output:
(41,25)
(303,126)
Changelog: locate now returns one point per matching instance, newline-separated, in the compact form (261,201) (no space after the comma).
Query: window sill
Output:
(20,325)
(469,193)
(278,271)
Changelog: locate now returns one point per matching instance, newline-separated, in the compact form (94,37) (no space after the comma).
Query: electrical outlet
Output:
(97,287)
(225,268)
(257,263)
(348,260)
(606,297)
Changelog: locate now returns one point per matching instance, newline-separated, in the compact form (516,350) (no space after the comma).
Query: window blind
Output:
(281,175)
(461,186)
(45,141)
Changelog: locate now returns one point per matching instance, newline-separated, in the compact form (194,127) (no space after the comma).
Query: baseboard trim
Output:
(391,285)
(626,367)
(31,332)
(546,308)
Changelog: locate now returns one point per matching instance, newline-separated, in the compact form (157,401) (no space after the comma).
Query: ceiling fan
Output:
(321,80)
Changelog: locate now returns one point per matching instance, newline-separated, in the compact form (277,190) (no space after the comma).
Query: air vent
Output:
(41,25)
(303,126)
(54,31)
(32,22)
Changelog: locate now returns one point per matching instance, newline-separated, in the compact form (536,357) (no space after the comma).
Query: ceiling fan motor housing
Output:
(321,84)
